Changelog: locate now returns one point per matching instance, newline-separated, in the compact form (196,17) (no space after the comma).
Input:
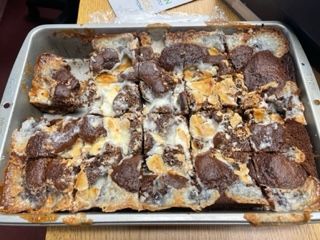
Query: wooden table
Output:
(310,231)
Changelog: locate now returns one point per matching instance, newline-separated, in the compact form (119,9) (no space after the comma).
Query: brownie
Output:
(59,85)
(224,179)
(286,183)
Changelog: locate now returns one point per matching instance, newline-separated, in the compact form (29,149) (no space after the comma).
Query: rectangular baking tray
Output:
(69,41)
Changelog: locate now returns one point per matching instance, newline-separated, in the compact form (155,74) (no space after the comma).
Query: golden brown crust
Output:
(259,219)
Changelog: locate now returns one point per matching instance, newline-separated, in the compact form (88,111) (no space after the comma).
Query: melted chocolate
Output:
(154,77)
(264,68)
(296,135)
(94,170)
(128,99)
(36,174)
(144,54)
(148,142)
(240,56)
(274,170)
(65,138)
(105,59)
(169,155)
(126,174)
(37,146)
(267,138)
(213,173)
(58,174)
(183,102)
(88,132)
(230,141)
(174,180)
(181,55)
(66,90)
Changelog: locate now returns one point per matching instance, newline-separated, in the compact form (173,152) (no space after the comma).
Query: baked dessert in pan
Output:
(195,119)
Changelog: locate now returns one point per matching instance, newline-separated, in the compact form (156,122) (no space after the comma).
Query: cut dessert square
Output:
(167,172)
(115,99)
(109,173)
(199,54)
(214,93)
(285,182)
(163,92)
(110,187)
(265,39)
(225,131)
(121,136)
(224,179)
(167,190)
(41,172)
(59,85)
(269,133)
(167,143)
(112,52)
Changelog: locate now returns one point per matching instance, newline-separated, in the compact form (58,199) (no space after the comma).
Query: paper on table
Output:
(125,7)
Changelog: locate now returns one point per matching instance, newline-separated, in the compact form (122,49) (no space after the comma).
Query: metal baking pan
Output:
(68,41)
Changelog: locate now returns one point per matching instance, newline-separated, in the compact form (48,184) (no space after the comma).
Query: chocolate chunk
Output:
(156,78)
(126,174)
(63,76)
(91,127)
(240,56)
(214,60)
(174,180)
(37,146)
(58,173)
(230,141)
(225,68)
(148,142)
(213,173)
(94,170)
(66,89)
(130,74)
(146,183)
(65,138)
(105,59)
(111,155)
(62,91)
(152,188)
(144,54)
(274,170)
(264,68)
(163,122)
(36,174)
(169,155)
(181,55)
(267,138)
(288,65)
(296,135)
(183,102)
(128,99)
